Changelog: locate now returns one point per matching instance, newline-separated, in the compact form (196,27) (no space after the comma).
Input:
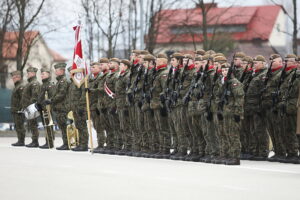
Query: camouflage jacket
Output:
(235,103)
(77,97)
(187,77)
(158,86)
(16,97)
(238,72)
(120,89)
(253,93)
(289,91)
(267,100)
(94,91)
(148,79)
(60,97)
(31,92)
(47,86)
(133,80)
(103,97)
(109,84)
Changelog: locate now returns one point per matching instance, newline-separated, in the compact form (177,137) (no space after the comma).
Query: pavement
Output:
(50,174)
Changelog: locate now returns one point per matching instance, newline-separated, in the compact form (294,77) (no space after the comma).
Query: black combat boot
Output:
(46,146)
(33,144)
(80,148)
(233,161)
(293,159)
(18,144)
(63,147)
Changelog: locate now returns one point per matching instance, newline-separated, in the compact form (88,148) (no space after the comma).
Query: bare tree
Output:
(108,20)
(6,14)
(294,21)
(26,16)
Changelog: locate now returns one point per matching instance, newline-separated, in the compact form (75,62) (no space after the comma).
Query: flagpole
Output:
(88,113)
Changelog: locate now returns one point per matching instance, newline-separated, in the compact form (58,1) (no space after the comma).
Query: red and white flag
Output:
(79,69)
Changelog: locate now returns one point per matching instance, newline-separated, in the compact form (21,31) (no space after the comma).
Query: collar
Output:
(161,66)
(46,80)
(210,67)
(18,82)
(95,74)
(277,68)
(31,79)
(136,61)
(192,66)
(290,67)
(113,70)
(60,77)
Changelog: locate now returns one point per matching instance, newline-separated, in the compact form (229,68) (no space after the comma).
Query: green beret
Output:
(259,58)
(290,56)
(126,62)
(60,66)
(248,59)
(188,56)
(45,70)
(15,73)
(144,52)
(117,60)
(32,69)
(149,57)
(103,60)
(199,58)
(200,52)
(239,55)
(274,56)
(162,55)
(177,55)
(220,59)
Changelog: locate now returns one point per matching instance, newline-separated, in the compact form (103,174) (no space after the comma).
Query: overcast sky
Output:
(66,13)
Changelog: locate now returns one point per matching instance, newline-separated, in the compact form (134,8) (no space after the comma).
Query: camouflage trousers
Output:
(125,132)
(245,135)
(139,120)
(259,140)
(183,132)
(32,127)
(80,123)
(133,130)
(163,134)
(103,127)
(19,120)
(172,122)
(232,130)
(289,124)
(223,136)
(196,127)
(61,119)
(113,137)
(274,129)
(97,126)
(149,137)
(210,136)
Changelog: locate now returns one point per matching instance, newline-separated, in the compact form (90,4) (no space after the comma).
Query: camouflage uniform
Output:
(30,94)
(288,111)
(272,118)
(16,107)
(232,124)
(78,106)
(259,144)
(122,109)
(162,140)
(60,104)
(47,86)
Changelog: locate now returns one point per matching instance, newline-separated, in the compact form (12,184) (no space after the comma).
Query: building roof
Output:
(257,22)
(10,45)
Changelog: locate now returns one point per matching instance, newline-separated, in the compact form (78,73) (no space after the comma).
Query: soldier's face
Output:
(258,65)
(185,60)
(174,62)
(95,69)
(244,64)
(237,61)
(16,78)
(225,71)
(30,74)
(104,66)
(198,64)
(141,59)
(45,75)
(59,72)
(290,62)
(277,62)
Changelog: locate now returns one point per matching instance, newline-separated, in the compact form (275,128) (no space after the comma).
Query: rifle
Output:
(203,80)
(226,92)
(268,76)
(129,94)
(165,97)
(194,85)
(208,108)
(182,77)
(248,80)
(276,93)
(244,73)
(287,96)
(154,71)
(137,79)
